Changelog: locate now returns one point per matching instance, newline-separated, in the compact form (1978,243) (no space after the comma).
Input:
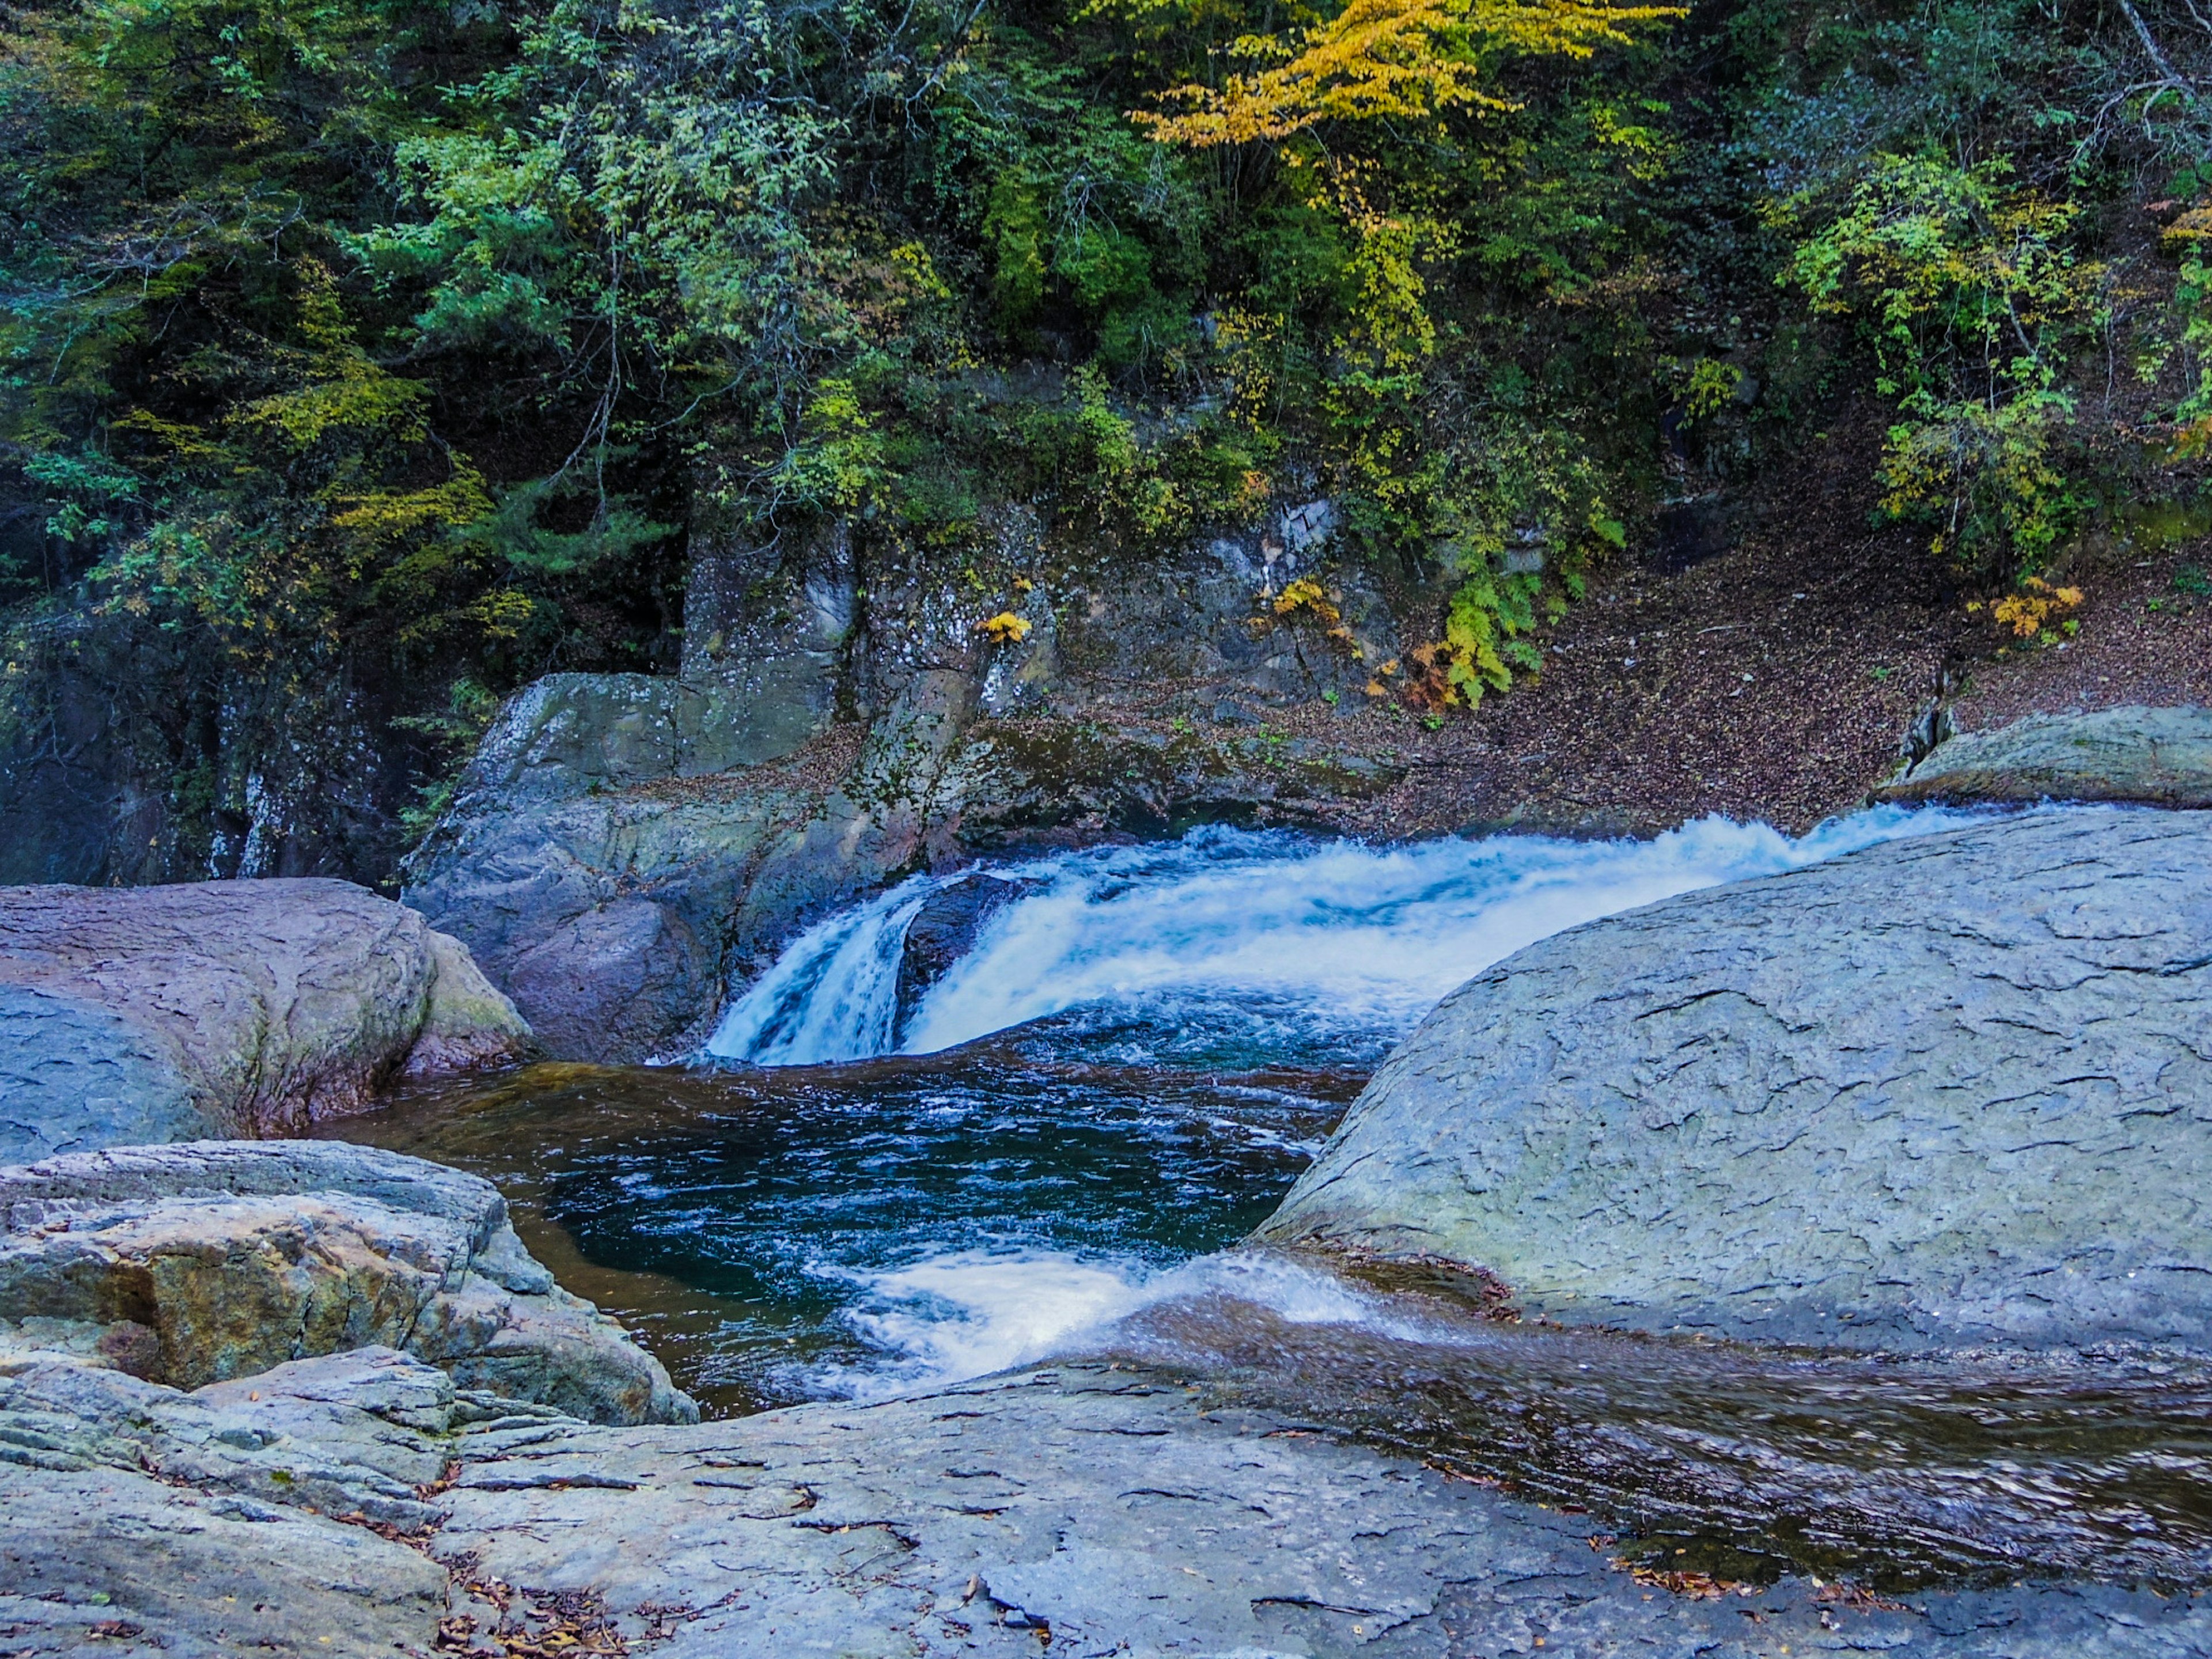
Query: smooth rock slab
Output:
(2154,756)
(1114,1513)
(244,1007)
(1951,1090)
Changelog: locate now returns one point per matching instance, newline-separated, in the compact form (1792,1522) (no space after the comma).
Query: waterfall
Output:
(1320,936)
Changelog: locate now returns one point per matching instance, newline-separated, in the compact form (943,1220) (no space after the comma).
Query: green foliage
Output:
(1971,294)
(386,346)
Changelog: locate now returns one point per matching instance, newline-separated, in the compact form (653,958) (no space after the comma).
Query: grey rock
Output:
(1113,1513)
(75,1075)
(610,918)
(769,625)
(359,1434)
(1946,1090)
(945,929)
(251,1007)
(104,1560)
(2155,756)
(570,734)
(210,1261)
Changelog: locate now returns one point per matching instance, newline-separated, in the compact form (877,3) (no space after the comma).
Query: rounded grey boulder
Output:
(133,1015)
(1950,1090)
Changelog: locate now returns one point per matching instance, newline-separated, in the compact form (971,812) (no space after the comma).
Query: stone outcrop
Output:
(2153,757)
(1946,1090)
(247,1007)
(944,930)
(626,851)
(199,1263)
(262,1515)
(1110,1511)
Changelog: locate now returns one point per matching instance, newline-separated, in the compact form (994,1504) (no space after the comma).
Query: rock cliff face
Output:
(253,1007)
(624,850)
(1945,1090)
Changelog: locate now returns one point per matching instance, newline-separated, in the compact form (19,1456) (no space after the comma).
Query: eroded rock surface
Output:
(1086,1510)
(2154,756)
(203,1262)
(1950,1089)
(241,1007)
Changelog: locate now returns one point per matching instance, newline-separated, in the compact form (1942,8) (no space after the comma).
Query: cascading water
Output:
(1291,940)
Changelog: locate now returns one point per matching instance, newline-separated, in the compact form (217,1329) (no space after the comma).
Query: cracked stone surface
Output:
(137,1519)
(1946,1090)
(1118,1514)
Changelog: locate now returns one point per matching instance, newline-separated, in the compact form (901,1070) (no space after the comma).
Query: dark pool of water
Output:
(752,1223)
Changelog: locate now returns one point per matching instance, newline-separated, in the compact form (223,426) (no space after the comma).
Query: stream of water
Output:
(1123,1077)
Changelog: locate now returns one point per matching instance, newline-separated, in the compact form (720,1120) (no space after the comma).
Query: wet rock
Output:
(1945,1090)
(1107,1511)
(944,930)
(247,1007)
(618,920)
(2155,756)
(219,1260)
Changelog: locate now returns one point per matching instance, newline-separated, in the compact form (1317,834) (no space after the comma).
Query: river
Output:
(1054,1149)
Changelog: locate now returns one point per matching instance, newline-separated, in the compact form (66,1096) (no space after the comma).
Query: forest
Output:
(366,359)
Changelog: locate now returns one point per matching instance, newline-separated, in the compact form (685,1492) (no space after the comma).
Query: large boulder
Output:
(231,1008)
(1946,1090)
(203,1262)
(615,906)
(2154,756)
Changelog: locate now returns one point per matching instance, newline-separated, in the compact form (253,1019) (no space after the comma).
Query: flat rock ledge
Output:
(1074,1509)
(135,1015)
(200,1263)
(2151,757)
(1950,1090)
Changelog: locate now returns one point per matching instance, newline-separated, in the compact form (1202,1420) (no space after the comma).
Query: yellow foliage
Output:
(388,515)
(2034,609)
(1306,594)
(1005,628)
(1387,58)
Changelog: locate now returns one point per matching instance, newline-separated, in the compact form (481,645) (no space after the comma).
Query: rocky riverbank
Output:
(1936,1095)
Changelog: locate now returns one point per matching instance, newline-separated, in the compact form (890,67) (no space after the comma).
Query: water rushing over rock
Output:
(1326,940)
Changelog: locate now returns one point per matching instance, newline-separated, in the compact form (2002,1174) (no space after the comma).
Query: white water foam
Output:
(1364,937)
(968,1313)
